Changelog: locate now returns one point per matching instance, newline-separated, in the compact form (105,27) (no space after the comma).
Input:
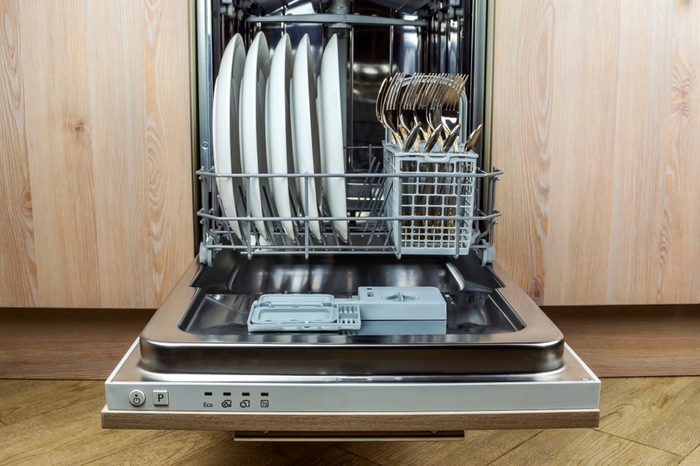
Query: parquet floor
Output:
(643,421)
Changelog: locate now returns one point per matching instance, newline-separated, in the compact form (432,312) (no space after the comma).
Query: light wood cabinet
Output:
(96,184)
(596,122)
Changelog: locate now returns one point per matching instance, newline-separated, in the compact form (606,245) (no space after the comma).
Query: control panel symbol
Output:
(264,403)
(226,404)
(137,397)
(245,403)
(160,398)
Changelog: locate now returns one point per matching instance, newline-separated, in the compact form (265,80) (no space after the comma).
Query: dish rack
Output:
(398,202)
(406,203)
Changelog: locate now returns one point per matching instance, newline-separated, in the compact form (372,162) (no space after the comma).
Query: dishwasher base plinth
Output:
(344,424)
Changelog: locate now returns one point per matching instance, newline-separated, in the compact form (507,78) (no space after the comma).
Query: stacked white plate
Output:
(225,126)
(273,115)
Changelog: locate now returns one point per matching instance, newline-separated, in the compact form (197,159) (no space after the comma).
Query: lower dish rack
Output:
(405,203)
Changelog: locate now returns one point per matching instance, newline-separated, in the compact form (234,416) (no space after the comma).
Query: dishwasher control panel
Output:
(350,396)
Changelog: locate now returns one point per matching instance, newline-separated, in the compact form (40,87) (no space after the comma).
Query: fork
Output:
(420,114)
(390,111)
(407,104)
(436,107)
(450,114)
(416,101)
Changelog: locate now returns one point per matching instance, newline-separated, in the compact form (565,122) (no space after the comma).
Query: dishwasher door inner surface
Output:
(483,332)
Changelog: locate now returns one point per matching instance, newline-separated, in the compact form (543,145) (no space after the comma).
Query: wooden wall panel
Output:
(107,147)
(169,184)
(596,122)
(17,261)
(59,143)
(116,93)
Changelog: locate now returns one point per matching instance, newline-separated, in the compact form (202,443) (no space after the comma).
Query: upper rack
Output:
(400,200)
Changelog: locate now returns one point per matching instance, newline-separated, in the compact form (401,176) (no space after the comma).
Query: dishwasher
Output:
(362,301)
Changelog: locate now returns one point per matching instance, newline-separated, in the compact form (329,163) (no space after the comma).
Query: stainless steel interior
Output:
(202,328)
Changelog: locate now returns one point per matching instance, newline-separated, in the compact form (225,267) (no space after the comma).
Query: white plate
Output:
(278,129)
(225,128)
(305,130)
(251,119)
(331,135)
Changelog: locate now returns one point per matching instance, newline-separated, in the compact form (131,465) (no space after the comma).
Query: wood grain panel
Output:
(527,201)
(59,142)
(168,139)
(116,91)
(661,412)
(18,281)
(638,154)
(596,121)
(679,277)
(102,214)
(66,343)
(555,447)
(15,407)
(72,442)
(348,422)
(628,341)
(693,459)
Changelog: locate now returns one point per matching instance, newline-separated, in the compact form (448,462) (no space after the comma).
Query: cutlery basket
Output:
(435,196)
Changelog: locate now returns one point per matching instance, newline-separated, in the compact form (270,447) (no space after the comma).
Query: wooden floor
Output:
(644,421)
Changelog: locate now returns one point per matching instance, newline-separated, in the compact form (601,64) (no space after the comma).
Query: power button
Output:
(137,397)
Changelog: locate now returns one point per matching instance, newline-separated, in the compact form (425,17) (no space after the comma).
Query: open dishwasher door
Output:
(496,362)
(382,318)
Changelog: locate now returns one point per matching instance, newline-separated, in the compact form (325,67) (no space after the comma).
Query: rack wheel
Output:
(206,256)
(488,255)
